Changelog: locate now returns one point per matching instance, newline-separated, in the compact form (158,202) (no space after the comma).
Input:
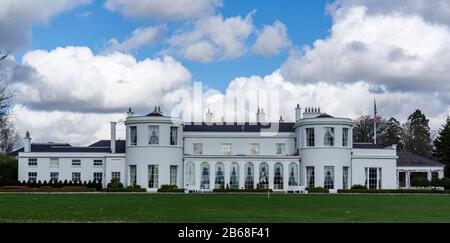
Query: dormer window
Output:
(153,132)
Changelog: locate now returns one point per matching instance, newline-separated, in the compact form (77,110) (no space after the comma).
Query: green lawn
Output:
(223,208)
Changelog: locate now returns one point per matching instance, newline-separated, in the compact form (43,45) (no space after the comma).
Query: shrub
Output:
(445,183)
(420,182)
(359,187)
(317,190)
(114,184)
(435,182)
(242,190)
(427,191)
(135,186)
(128,189)
(170,188)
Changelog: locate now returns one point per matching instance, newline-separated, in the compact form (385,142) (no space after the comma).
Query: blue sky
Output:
(307,21)
(79,64)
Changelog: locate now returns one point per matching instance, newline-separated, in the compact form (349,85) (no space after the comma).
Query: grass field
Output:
(223,208)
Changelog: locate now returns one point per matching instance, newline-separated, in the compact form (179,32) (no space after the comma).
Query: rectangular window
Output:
(133,172)
(173,174)
(32,176)
(434,174)
(153,176)
(32,162)
(328,177)
(281,148)
(153,134)
(345,177)
(54,176)
(98,176)
(76,177)
(310,177)
(173,135)
(115,176)
(54,162)
(76,162)
(198,148)
(226,148)
(98,162)
(345,137)
(133,136)
(373,178)
(328,136)
(310,141)
(254,149)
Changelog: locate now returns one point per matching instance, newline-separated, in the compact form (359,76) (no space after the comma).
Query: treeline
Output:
(412,136)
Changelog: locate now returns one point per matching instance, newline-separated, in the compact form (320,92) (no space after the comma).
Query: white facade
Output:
(315,151)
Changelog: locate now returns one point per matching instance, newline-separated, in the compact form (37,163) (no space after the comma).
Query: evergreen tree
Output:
(392,134)
(363,129)
(416,136)
(442,146)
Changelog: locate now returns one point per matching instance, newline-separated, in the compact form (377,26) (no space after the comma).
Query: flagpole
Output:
(375,121)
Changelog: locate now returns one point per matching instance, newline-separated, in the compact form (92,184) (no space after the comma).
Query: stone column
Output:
(408,184)
(256,173)
(212,175)
(271,173)
(429,175)
(242,174)
(286,176)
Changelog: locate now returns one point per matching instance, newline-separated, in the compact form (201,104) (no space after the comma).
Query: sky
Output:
(76,65)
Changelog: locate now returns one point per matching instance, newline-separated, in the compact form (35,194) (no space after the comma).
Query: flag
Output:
(374,109)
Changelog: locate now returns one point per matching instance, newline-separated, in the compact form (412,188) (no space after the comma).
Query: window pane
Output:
(310,142)
(153,135)
(249,182)
(32,176)
(310,177)
(328,138)
(115,176)
(76,162)
(76,176)
(173,174)
(198,148)
(254,149)
(98,177)
(133,172)
(98,162)
(173,135)
(278,177)
(329,177)
(345,137)
(220,179)
(190,174)
(54,176)
(205,176)
(133,136)
(226,149)
(264,176)
(293,174)
(373,178)
(234,176)
(281,148)
(153,176)
(345,177)
(32,162)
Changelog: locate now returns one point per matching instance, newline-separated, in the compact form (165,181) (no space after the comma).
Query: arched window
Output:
(205,175)
(249,172)
(189,173)
(278,177)
(263,176)
(293,174)
(220,179)
(234,176)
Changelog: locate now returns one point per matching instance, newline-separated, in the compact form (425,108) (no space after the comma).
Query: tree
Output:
(442,146)
(363,129)
(416,135)
(392,134)
(8,169)
(8,135)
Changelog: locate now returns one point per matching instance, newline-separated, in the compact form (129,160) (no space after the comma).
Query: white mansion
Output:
(314,151)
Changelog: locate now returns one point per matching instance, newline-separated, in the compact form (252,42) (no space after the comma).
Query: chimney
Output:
(281,119)
(260,116)
(129,113)
(298,113)
(311,112)
(209,116)
(27,142)
(113,137)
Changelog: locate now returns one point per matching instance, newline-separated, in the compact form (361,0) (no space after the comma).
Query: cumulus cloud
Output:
(17,18)
(271,39)
(75,79)
(214,37)
(163,9)
(139,38)
(399,52)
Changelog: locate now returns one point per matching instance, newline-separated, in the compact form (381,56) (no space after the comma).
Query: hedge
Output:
(49,190)
(170,188)
(430,191)
(317,190)
(124,190)
(242,190)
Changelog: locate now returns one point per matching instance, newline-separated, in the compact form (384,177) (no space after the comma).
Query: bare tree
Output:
(9,138)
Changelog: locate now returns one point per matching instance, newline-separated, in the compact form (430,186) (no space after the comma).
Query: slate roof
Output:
(407,159)
(101,146)
(367,146)
(239,127)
